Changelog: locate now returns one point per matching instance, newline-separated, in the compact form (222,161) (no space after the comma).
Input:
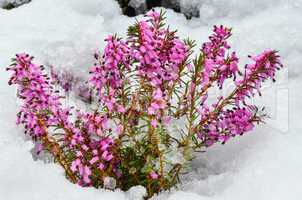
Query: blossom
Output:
(218,65)
(106,143)
(158,102)
(86,174)
(229,123)
(94,123)
(75,165)
(107,156)
(154,123)
(264,67)
(94,160)
(160,53)
(108,72)
(153,175)
(37,94)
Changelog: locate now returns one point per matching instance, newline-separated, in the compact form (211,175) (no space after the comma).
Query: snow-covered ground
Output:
(265,164)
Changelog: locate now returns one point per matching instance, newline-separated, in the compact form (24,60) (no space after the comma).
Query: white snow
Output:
(136,193)
(264,164)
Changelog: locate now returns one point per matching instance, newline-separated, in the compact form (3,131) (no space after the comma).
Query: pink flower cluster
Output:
(161,56)
(158,103)
(41,110)
(264,67)
(37,94)
(158,51)
(229,123)
(100,157)
(107,74)
(219,123)
(92,147)
(218,65)
(94,123)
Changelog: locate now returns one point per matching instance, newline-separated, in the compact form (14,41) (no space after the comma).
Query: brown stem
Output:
(54,148)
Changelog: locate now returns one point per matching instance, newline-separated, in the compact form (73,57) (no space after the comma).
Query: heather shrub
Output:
(152,111)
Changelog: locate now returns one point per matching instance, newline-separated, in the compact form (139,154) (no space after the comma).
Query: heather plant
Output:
(152,111)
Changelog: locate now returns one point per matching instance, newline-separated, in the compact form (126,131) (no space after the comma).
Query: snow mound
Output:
(265,164)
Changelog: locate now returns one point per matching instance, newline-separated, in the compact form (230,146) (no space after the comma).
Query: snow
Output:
(136,193)
(264,164)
